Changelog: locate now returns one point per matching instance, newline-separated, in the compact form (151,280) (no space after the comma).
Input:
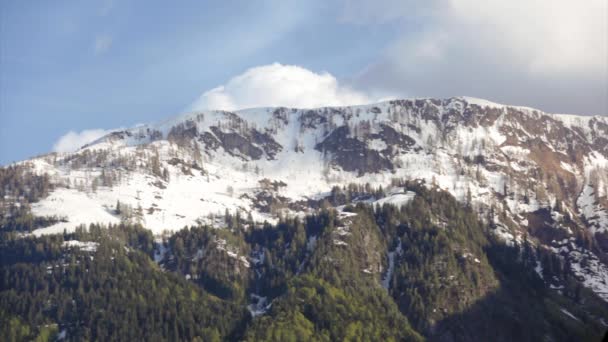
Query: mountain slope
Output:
(310,150)
(537,181)
(317,278)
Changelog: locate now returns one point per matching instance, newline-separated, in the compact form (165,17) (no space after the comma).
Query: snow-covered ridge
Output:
(214,173)
(507,162)
(260,116)
(572,120)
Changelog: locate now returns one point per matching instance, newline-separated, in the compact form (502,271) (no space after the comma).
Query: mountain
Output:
(429,212)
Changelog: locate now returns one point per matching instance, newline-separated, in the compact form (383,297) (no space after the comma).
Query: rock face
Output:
(353,155)
(527,173)
(372,153)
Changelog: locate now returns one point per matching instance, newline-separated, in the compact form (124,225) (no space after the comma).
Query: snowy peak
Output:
(421,138)
(213,161)
(527,173)
(446,113)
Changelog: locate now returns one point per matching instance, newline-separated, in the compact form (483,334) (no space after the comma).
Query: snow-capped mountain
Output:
(528,173)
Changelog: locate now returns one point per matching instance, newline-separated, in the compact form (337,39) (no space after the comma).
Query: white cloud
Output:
(542,35)
(72,141)
(102,44)
(545,36)
(279,85)
(548,54)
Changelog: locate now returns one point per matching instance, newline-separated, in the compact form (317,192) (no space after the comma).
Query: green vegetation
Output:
(314,310)
(19,187)
(443,268)
(320,275)
(115,292)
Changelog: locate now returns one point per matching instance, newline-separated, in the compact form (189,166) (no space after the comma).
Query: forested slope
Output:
(429,269)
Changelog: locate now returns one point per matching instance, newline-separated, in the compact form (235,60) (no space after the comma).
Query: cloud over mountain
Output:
(279,85)
(71,141)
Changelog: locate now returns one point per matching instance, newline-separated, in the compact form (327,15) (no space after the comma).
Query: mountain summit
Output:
(199,164)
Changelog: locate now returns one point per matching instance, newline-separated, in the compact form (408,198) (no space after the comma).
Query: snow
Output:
(482,102)
(568,167)
(259,306)
(257,257)
(376,144)
(198,255)
(342,231)
(87,246)
(515,151)
(78,207)
(471,138)
(311,243)
(596,215)
(184,201)
(594,273)
(230,251)
(340,243)
(398,199)
(160,251)
(391,265)
(503,233)
(569,314)
(581,121)
(467,255)
(187,200)
(539,270)
(244,261)
(595,160)
(438,158)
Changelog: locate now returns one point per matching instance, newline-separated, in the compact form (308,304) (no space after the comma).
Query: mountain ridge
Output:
(508,162)
(564,117)
(431,212)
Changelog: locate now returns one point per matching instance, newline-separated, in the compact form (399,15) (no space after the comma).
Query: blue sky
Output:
(77,65)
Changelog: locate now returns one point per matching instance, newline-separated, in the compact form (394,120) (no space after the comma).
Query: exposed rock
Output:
(352,154)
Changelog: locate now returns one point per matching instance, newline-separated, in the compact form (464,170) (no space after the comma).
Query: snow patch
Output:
(376,144)
(391,265)
(398,199)
(259,305)
(596,215)
(87,246)
(569,314)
